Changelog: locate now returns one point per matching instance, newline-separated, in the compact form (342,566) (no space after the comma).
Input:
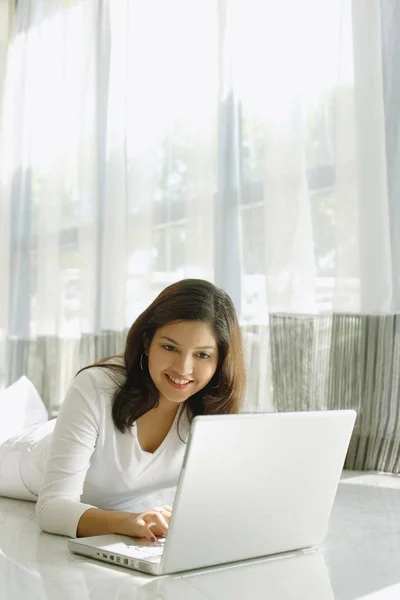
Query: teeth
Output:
(179,381)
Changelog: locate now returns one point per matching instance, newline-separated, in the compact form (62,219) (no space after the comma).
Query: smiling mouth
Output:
(178,384)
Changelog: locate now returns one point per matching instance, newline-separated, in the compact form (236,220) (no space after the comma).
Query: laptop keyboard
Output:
(151,551)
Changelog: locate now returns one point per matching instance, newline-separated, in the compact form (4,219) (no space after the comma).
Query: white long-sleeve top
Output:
(92,464)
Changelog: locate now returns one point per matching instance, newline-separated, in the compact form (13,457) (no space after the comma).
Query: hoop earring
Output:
(214,387)
(141,362)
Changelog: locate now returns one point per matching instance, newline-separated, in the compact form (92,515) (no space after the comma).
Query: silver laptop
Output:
(251,485)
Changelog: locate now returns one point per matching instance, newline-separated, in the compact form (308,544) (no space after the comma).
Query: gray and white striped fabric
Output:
(338,362)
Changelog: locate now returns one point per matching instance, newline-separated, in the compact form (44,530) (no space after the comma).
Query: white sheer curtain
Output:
(310,80)
(143,142)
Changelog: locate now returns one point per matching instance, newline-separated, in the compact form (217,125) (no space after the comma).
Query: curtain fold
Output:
(341,362)
(250,143)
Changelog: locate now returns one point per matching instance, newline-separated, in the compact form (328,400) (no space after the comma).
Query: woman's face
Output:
(183,357)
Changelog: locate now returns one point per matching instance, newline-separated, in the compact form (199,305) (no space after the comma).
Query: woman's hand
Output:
(148,524)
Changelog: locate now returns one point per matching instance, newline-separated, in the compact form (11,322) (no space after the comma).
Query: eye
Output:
(169,348)
(203,355)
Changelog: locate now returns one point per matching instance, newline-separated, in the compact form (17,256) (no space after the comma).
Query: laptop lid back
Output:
(255,484)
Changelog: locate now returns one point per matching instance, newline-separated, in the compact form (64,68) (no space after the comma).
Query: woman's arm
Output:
(148,524)
(95,521)
(59,509)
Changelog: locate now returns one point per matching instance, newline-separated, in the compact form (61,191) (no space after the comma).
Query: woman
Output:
(120,436)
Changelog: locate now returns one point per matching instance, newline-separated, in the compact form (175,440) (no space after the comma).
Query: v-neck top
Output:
(134,433)
(91,464)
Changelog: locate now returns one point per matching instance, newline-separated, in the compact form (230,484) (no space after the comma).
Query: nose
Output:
(183,364)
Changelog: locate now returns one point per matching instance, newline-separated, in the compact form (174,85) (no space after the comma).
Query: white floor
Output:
(360,558)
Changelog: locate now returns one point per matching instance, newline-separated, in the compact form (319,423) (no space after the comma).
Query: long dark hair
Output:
(186,300)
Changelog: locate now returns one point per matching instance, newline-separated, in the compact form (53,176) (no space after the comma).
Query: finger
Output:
(148,532)
(159,519)
(166,510)
(166,513)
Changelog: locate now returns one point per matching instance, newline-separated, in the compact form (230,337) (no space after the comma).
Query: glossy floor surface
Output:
(360,558)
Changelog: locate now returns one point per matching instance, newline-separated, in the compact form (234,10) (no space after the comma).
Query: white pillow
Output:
(20,407)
